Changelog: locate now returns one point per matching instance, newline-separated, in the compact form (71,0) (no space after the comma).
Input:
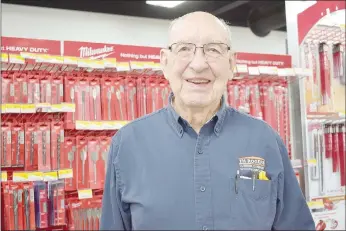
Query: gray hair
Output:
(221,21)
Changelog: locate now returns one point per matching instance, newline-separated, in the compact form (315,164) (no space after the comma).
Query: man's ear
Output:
(163,60)
(232,65)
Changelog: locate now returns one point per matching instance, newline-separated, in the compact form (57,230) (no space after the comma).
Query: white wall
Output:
(43,23)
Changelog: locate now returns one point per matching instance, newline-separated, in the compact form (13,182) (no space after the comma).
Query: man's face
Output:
(200,80)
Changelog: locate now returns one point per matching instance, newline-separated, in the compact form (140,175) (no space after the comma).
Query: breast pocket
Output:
(253,204)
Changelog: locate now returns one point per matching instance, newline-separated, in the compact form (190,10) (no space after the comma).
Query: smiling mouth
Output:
(198,81)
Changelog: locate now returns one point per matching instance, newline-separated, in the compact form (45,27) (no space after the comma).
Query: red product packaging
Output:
(31,147)
(93,160)
(41,205)
(70,96)
(6,144)
(33,89)
(57,90)
(119,88)
(108,99)
(328,140)
(163,93)
(335,148)
(141,96)
(5,208)
(70,162)
(7,89)
(44,147)
(255,103)
(74,220)
(15,207)
(29,206)
(20,88)
(131,96)
(57,145)
(95,100)
(325,73)
(342,150)
(82,158)
(82,100)
(338,61)
(287,125)
(46,89)
(105,143)
(18,146)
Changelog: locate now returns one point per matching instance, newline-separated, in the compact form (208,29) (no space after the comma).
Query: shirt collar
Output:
(177,122)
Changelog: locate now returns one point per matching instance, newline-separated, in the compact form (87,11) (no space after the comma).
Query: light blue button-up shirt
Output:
(163,175)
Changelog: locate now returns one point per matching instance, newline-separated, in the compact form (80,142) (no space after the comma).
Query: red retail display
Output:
(62,104)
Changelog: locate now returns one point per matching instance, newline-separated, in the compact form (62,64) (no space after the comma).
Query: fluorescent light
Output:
(168,4)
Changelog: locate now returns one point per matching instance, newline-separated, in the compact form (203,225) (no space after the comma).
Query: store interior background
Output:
(96,24)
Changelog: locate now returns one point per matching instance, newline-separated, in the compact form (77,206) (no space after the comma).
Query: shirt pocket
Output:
(253,207)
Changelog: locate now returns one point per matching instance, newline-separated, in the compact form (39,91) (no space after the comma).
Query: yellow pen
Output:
(262,175)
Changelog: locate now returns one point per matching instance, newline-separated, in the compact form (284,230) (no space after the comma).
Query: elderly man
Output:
(198,164)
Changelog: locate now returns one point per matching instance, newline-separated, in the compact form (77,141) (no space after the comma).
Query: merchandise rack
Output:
(316,41)
(259,79)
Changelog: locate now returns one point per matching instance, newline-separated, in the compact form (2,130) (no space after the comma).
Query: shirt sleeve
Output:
(115,214)
(292,211)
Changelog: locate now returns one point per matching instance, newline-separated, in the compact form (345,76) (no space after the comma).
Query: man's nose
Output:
(199,62)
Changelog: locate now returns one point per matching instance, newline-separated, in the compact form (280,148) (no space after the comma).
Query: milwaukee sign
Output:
(95,53)
(122,53)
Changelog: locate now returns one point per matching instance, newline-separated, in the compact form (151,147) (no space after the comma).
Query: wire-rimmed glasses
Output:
(187,51)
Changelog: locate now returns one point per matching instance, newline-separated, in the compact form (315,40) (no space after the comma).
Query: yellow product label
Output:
(20,176)
(3,108)
(15,58)
(4,176)
(312,161)
(49,176)
(68,107)
(4,57)
(85,194)
(70,60)
(315,204)
(35,176)
(56,107)
(28,108)
(13,108)
(65,173)
(56,59)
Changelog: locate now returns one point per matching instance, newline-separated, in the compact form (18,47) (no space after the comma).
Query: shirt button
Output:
(205,228)
(202,188)
(200,151)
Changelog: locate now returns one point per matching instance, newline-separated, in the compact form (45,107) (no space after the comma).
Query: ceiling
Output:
(235,13)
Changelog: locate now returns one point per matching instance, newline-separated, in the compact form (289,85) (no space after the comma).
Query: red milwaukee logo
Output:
(98,53)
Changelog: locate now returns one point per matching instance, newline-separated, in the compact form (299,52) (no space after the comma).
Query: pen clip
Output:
(236,182)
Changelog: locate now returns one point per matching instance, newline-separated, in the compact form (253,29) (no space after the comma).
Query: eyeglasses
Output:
(188,50)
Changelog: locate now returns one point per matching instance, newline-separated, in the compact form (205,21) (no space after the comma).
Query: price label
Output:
(65,173)
(110,62)
(16,59)
(312,162)
(241,68)
(56,108)
(254,71)
(50,176)
(123,66)
(13,108)
(20,176)
(85,194)
(35,176)
(70,60)
(4,57)
(28,108)
(82,125)
(3,176)
(68,107)
(56,59)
